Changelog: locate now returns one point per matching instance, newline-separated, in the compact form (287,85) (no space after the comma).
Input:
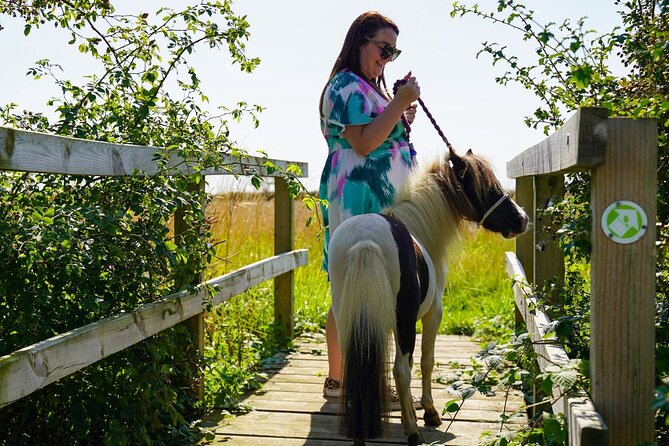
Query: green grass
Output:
(477,287)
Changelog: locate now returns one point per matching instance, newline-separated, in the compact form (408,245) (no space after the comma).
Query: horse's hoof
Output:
(431,418)
(415,439)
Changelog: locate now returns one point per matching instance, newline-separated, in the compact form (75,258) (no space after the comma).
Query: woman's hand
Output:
(410,113)
(408,92)
(366,138)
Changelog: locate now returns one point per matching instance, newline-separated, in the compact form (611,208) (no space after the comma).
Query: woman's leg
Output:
(334,354)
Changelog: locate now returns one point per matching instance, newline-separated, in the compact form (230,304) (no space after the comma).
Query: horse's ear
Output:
(459,166)
(469,152)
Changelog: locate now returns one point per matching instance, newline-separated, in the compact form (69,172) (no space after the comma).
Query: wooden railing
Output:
(31,368)
(622,155)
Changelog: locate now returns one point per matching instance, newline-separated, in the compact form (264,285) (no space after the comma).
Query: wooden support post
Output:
(283,242)
(195,324)
(548,258)
(622,360)
(525,242)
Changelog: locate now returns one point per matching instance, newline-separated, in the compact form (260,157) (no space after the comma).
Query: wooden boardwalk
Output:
(289,410)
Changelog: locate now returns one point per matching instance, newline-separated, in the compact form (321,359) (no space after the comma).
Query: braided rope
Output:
(427,112)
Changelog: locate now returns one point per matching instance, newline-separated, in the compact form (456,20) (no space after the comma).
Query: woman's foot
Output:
(331,388)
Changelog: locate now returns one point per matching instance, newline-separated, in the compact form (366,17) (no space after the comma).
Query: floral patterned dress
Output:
(351,183)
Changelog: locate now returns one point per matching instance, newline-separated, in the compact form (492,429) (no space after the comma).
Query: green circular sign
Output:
(624,222)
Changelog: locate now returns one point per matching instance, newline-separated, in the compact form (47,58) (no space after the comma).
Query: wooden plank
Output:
(27,151)
(195,324)
(622,353)
(525,242)
(314,396)
(284,289)
(548,257)
(241,440)
(33,367)
(323,426)
(578,409)
(579,143)
(585,428)
(536,321)
(289,383)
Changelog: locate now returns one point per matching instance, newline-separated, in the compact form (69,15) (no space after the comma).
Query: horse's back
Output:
(362,228)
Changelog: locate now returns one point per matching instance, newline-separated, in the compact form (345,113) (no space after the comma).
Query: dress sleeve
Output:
(349,102)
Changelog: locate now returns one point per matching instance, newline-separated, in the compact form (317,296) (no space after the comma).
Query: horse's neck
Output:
(429,218)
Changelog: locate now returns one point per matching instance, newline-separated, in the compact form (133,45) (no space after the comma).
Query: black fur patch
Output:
(423,272)
(409,295)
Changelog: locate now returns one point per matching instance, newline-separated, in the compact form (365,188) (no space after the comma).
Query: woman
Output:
(369,153)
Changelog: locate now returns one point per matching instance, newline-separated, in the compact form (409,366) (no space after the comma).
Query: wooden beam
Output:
(525,242)
(586,426)
(195,324)
(548,257)
(550,353)
(579,143)
(31,368)
(26,151)
(622,300)
(284,299)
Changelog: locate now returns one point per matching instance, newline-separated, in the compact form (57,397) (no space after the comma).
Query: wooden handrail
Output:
(31,368)
(582,418)
(27,151)
(579,144)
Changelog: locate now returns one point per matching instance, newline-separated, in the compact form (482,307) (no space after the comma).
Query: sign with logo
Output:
(624,222)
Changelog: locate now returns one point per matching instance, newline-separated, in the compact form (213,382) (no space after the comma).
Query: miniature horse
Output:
(388,270)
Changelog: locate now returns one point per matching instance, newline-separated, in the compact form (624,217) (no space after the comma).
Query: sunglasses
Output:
(387,51)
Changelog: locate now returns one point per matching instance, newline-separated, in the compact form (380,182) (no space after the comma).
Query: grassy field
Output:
(478,298)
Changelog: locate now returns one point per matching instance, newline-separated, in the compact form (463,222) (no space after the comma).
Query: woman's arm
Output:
(366,138)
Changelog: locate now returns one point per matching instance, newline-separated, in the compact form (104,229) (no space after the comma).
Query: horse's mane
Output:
(434,206)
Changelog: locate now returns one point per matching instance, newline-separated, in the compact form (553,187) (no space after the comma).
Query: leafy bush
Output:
(76,249)
(572,70)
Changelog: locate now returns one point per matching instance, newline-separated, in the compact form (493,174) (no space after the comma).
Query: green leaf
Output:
(170,246)
(581,75)
(467,393)
(452,406)
(554,430)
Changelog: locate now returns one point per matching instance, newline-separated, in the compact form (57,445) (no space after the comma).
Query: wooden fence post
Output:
(622,303)
(525,242)
(195,324)
(283,242)
(548,257)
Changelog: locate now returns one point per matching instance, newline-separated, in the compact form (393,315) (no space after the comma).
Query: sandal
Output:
(331,388)
(395,400)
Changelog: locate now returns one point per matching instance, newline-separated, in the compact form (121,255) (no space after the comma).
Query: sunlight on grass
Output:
(477,286)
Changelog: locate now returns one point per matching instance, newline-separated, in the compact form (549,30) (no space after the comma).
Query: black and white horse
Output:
(388,270)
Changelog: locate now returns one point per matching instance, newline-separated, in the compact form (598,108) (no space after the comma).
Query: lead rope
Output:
(407,130)
(407,127)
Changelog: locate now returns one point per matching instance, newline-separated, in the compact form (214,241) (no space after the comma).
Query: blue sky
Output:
(298,41)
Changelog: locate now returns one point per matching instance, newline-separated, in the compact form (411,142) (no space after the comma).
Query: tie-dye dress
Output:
(351,183)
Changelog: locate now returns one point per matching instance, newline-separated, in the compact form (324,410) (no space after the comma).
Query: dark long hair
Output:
(365,26)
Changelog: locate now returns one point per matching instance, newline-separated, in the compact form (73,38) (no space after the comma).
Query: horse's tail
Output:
(367,314)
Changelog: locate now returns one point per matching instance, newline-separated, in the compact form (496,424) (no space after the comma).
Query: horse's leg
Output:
(431,322)
(402,374)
